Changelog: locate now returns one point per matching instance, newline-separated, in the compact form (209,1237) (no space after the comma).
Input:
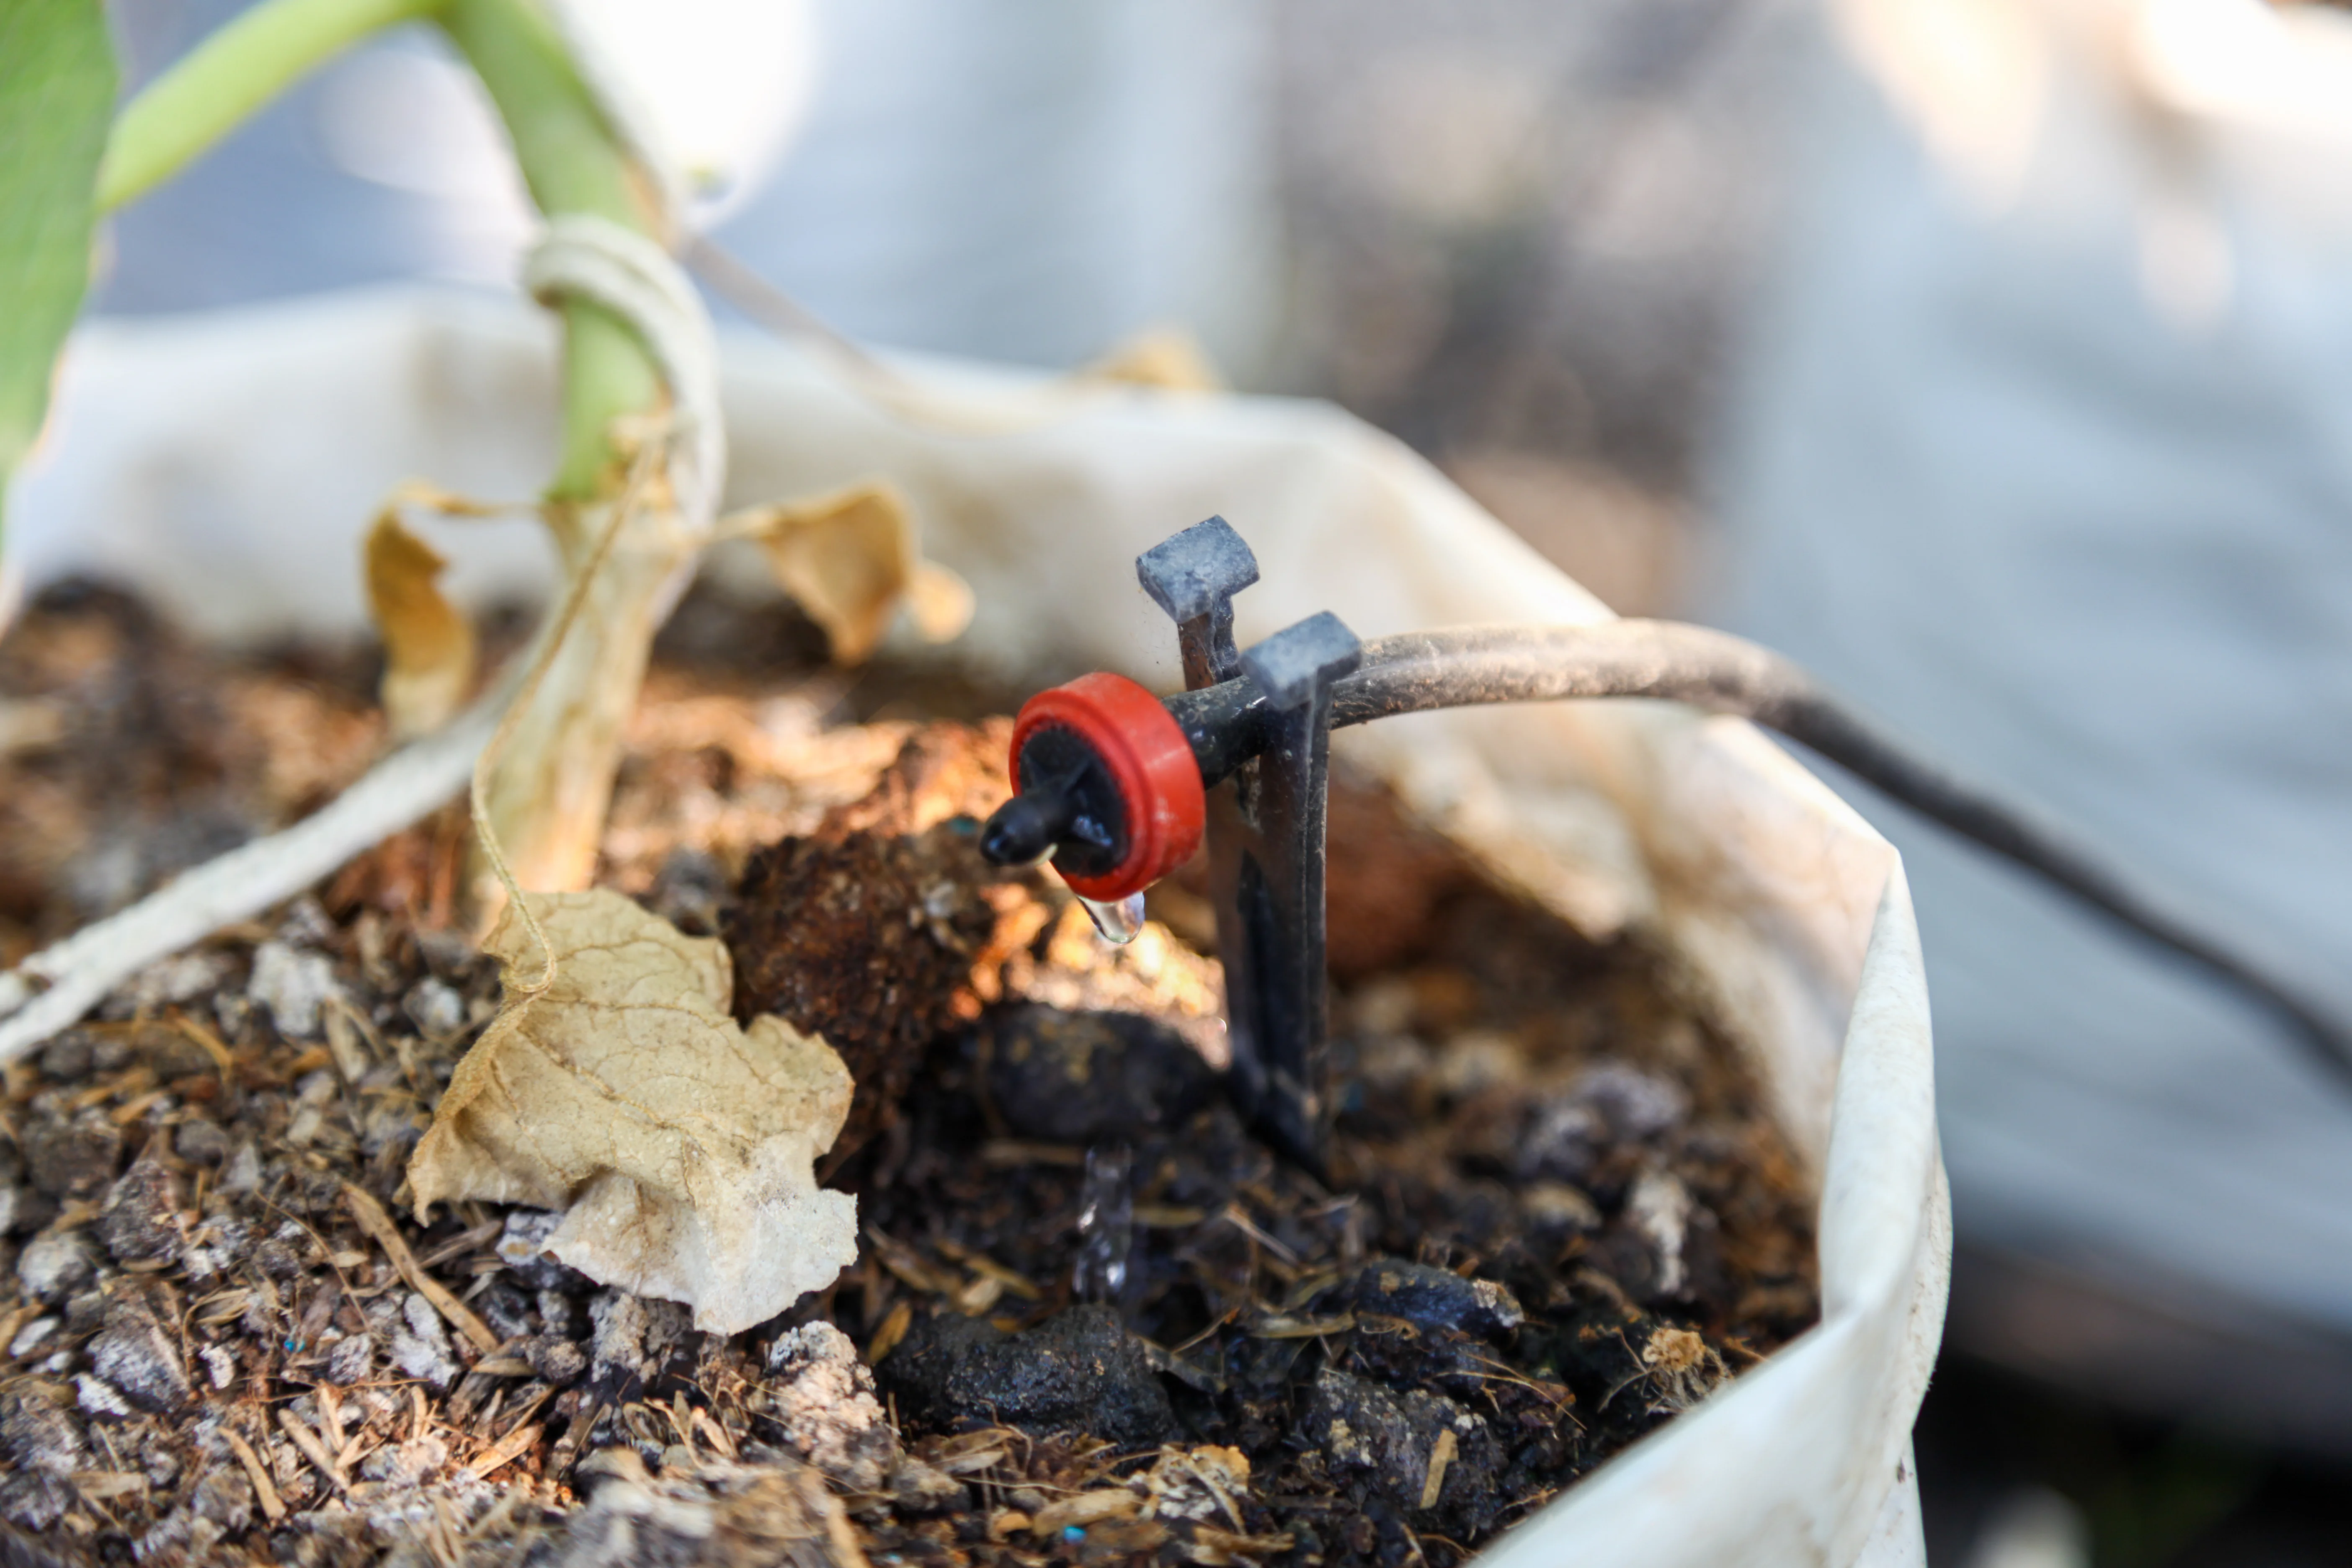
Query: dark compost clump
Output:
(1093,1320)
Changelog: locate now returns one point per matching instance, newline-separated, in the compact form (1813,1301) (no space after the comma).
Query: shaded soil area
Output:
(1093,1319)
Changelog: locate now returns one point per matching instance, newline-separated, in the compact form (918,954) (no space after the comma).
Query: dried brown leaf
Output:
(680,1146)
(850,559)
(428,645)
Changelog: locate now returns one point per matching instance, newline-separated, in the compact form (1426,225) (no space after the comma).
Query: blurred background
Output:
(1993,357)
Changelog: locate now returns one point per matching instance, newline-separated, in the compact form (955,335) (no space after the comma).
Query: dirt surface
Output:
(1093,1319)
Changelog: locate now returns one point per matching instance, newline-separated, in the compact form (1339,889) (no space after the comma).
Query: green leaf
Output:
(57,93)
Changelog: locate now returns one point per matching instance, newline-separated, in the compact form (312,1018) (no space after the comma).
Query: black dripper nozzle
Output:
(1027,828)
(1068,807)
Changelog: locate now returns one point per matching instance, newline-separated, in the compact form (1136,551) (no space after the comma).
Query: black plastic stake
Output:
(1265,832)
(1265,869)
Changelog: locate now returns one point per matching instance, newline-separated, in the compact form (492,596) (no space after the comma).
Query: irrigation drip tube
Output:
(1720,673)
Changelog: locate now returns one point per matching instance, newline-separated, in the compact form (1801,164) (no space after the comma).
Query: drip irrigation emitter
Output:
(1118,787)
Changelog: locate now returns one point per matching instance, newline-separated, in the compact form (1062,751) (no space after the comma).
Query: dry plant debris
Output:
(679,1147)
(428,645)
(851,561)
(1090,1319)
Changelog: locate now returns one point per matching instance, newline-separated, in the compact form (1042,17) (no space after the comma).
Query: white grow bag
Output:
(226,465)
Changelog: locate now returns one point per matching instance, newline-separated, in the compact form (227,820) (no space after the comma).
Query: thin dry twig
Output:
(506,1450)
(312,1450)
(1441,1459)
(272,1506)
(462,1243)
(384,1234)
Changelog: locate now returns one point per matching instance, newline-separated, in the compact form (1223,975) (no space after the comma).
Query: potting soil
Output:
(1093,1319)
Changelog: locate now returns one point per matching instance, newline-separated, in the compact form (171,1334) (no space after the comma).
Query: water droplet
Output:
(1118,923)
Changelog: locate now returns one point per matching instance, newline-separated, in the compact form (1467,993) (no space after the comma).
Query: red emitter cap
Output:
(1105,779)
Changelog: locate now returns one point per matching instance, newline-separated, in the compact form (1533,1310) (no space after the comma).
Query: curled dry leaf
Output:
(679,1145)
(939,601)
(850,559)
(1167,359)
(428,645)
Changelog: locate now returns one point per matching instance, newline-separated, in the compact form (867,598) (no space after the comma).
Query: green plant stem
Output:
(212,90)
(548,795)
(573,163)
(548,791)
(570,157)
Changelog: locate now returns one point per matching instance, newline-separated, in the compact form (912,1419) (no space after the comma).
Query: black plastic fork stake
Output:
(1266,871)
(1265,818)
